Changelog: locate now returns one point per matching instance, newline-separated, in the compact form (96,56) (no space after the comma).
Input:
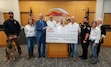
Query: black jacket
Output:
(103,32)
(85,28)
(11,27)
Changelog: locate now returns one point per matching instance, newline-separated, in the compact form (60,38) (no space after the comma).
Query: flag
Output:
(87,13)
(31,14)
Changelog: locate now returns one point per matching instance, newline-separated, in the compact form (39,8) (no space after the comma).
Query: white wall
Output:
(107,6)
(102,6)
(1,18)
(10,5)
(99,9)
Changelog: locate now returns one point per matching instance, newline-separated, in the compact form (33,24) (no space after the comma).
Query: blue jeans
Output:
(41,43)
(31,42)
(93,50)
(74,49)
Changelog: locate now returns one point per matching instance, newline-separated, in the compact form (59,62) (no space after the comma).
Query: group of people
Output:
(90,35)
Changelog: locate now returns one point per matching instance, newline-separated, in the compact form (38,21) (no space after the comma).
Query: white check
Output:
(61,35)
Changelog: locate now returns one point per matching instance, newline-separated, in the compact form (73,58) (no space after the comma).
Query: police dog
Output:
(11,50)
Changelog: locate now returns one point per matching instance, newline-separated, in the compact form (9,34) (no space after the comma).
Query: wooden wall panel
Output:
(24,18)
(91,17)
(107,39)
(6,16)
(2,38)
(76,8)
(107,18)
(57,50)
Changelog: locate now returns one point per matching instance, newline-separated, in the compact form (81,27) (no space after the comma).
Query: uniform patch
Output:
(14,22)
(88,28)
(84,27)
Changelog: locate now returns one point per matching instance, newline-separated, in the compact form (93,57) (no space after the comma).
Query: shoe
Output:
(84,58)
(93,62)
(43,56)
(98,60)
(74,59)
(81,56)
(33,55)
(39,56)
(28,58)
(90,56)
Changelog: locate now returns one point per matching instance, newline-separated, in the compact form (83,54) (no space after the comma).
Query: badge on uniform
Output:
(88,28)
(14,22)
(84,27)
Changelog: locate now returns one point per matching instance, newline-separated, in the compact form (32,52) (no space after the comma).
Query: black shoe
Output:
(43,56)
(91,56)
(93,62)
(81,56)
(39,56)
(84,58)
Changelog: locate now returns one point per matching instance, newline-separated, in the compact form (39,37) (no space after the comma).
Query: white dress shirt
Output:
(95,34)
(59,25)
(30,31)
(74,25)
(51,23)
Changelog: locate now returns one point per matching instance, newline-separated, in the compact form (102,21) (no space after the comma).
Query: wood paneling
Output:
(107,18)
(74,8)
(107,41)
(6,16)
(57,50)
(91,17)
(24,18)
(2,38)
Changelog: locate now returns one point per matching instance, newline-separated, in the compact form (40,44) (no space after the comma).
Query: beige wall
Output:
(10,5)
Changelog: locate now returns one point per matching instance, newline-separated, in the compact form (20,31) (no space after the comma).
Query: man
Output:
(12,29)
(75,25)
(41,27)
(103,34)
(51,22)
(69,45)
(85,31)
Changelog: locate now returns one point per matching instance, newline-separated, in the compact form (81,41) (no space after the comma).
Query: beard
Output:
(85,22)
(11,16)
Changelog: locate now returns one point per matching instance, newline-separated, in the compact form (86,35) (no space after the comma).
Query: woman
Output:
(61,23)
(94,40)
(30,35)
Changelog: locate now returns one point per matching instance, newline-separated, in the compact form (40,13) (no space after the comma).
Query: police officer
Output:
(85,31)
(12,29)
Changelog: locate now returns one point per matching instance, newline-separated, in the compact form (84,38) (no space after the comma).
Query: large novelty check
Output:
(61,35)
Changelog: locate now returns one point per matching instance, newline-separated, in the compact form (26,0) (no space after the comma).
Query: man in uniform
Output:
(12,29)
(85,31)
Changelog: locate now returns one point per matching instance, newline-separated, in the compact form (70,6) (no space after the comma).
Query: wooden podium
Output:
(57,50)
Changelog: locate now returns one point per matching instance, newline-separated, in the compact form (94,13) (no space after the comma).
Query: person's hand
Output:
(15,36)
(44,28)
(84,41)
(10,37)
(94,44)
(100,40)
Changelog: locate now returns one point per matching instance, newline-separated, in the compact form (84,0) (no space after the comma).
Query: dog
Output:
(11,50)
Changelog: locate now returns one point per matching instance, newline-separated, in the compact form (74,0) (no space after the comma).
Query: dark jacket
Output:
(85,28)
(103,32)
(11,27)
(39,28)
